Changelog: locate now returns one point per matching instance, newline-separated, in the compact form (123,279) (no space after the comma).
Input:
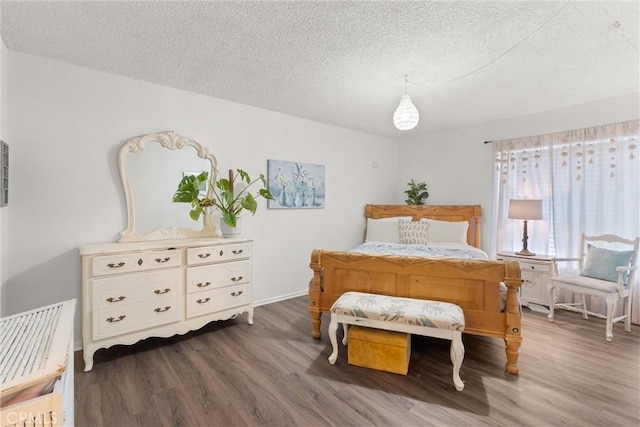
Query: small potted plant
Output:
(417,193)
(225,199)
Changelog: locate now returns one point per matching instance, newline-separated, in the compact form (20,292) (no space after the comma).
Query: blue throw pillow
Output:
(601,263)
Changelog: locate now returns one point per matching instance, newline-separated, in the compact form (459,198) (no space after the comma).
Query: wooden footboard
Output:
(474,285)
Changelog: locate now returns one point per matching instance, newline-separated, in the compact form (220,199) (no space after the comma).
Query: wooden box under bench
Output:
(379,349)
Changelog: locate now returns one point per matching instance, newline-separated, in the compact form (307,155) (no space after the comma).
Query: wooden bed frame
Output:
(474,285)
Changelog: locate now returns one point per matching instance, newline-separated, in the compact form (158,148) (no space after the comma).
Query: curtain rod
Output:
(624,122)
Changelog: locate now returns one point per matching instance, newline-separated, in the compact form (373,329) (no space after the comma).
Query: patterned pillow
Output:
(413,232)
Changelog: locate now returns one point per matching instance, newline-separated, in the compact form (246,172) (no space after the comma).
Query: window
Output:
(588,179)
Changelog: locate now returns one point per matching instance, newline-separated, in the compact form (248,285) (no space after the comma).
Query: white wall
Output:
(457,165)
(66,123)
(69,123)
(4,228)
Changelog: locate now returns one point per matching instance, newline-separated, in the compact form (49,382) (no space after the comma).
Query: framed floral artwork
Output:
(295,185)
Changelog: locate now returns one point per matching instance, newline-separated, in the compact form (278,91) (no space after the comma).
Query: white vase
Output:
(228,231)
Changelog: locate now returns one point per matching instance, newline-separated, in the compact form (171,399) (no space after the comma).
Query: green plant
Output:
(417,193)
(225,200)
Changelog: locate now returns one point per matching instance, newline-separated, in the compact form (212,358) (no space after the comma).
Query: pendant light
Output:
(406,116)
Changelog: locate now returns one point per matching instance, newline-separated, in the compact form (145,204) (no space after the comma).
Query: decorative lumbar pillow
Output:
(413,232)
(384,229)
(601,263)
(446,231)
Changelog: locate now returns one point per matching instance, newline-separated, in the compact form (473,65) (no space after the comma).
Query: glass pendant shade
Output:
(406,116)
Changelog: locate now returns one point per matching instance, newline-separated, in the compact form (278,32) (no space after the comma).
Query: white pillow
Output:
(446,231)
(384,229)
(413,232)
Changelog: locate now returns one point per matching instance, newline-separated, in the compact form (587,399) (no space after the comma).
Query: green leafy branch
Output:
(229,203)
(417,193)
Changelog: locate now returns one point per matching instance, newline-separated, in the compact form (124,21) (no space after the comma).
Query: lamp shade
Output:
(406,116)
(525,209)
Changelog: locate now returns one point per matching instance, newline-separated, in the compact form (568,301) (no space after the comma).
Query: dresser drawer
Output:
(217,299)
(209,254)
(126,263)
(111,321)
(532,266)
(136,287)
(216,275)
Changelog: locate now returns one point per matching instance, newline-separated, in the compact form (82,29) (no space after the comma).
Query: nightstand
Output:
(536,271)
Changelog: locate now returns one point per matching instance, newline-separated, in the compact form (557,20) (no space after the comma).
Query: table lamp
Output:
(526,210)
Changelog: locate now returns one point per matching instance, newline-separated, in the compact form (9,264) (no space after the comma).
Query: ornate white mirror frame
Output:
(172,141)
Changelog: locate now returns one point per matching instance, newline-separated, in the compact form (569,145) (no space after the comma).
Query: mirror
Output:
(151,167)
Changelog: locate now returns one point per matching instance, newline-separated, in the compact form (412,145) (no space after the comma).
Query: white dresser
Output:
(536,272)
(136,290)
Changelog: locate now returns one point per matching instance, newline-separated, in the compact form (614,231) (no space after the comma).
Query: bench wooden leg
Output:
(345,329)
(333,329)
(457,356)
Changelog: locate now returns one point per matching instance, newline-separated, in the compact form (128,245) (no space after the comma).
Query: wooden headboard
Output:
(470,213)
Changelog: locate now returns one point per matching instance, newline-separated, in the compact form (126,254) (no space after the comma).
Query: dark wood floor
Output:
(274,373)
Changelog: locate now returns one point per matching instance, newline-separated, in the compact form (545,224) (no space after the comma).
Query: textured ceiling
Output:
(343,63)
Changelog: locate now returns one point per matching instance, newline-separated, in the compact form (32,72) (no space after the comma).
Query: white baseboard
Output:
(280,298)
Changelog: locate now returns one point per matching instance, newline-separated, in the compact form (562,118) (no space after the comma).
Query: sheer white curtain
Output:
(588,179)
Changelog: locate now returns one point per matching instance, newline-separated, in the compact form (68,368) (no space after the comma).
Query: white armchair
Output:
(603,273)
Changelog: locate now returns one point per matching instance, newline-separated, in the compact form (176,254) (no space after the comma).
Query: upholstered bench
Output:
(415,316)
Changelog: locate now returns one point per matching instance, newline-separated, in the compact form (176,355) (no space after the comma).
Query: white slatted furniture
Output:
(36,367)
(415,316)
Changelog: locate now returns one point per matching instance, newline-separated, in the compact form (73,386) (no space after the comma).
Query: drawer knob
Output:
(160,291)
(236,279)
(221,253)
(162,260)
(203,301)
(237,251)
(162,310)
(235,294)
(140,261)
(203,285)
(203,256)
(112,299)
(118,265)
(114,320)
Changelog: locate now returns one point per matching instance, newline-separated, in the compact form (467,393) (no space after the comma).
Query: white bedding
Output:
(432,250)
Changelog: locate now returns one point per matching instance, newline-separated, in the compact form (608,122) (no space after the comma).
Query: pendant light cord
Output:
(615,24)
(510,49)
